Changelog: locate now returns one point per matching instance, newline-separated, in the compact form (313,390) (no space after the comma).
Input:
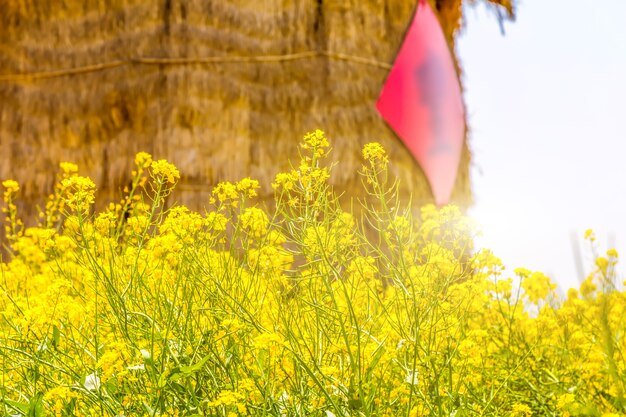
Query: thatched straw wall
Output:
(95,81)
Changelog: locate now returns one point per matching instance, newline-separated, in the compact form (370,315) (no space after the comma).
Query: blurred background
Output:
(547,119)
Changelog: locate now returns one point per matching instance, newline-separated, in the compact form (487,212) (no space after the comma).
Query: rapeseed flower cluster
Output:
(307,309)
(13,225)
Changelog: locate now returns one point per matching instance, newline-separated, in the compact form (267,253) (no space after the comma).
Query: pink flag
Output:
(421,101)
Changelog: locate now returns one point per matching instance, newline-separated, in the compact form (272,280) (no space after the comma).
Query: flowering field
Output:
(302,310)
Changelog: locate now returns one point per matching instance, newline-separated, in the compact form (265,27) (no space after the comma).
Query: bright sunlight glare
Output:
(545,106)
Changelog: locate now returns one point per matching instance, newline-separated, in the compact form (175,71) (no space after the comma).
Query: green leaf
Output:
(175,374)
(195,367)
(35,406)
(56,337)
(376,357)
(164,377)
(23,408)
(111,387)
(355,403)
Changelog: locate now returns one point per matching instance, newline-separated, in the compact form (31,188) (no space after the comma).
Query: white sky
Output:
(547,114)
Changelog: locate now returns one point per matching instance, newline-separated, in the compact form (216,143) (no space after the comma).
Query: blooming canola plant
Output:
(148,308)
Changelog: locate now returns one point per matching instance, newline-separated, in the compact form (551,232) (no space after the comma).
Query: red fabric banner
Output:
(421,101)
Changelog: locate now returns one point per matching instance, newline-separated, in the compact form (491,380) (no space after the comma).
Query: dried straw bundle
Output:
(222,88)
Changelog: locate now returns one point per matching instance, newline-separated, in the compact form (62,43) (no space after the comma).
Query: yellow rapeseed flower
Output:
(248,187)
(536,285)
(316,140)
(374,151)
(143,159)
(162,169)
(226,191)
(80,192)
(216,221)
(565,401)
(521,410)
(254,221)
(284,180)
(68,168)
(11,186)
(310,312)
